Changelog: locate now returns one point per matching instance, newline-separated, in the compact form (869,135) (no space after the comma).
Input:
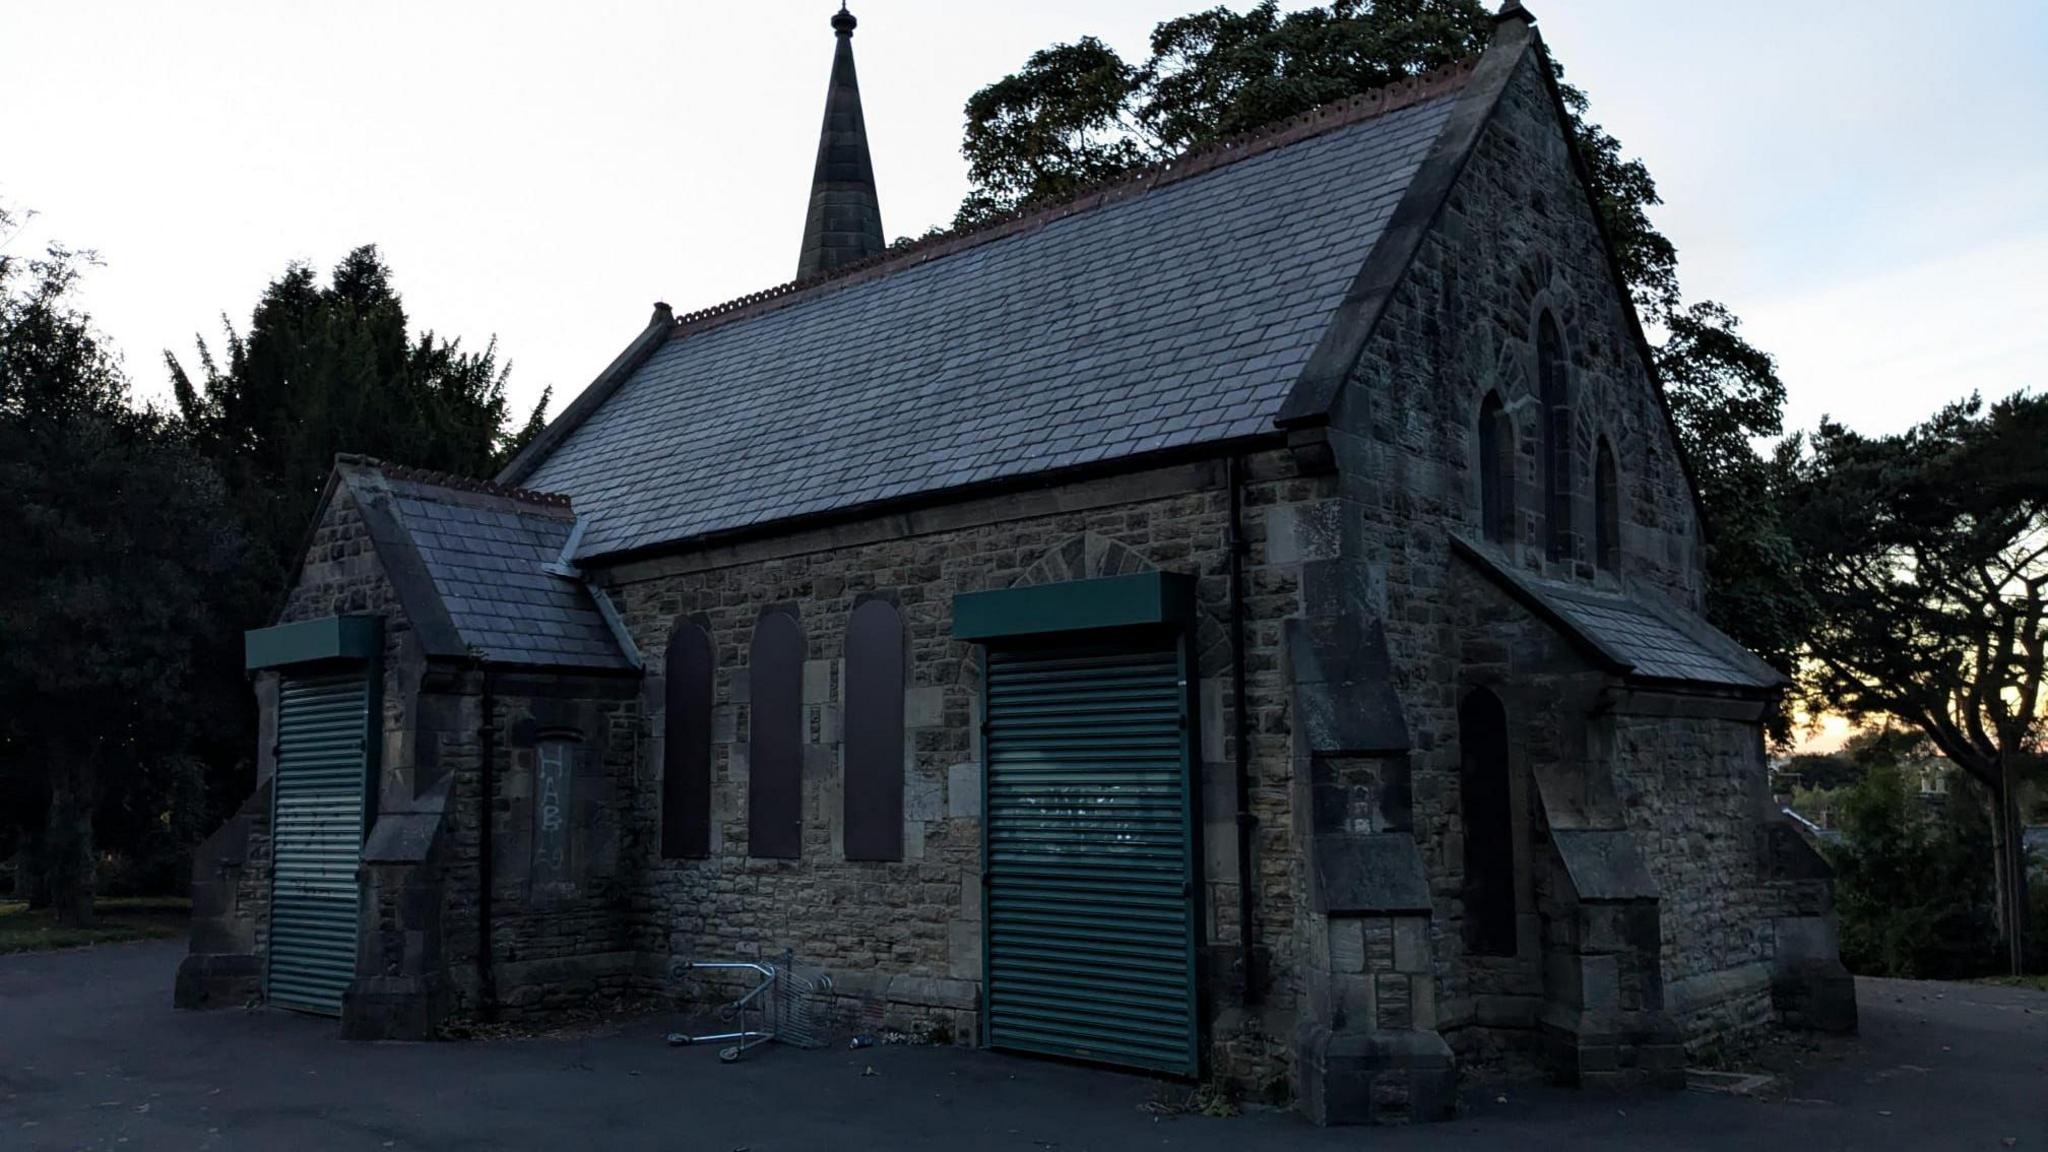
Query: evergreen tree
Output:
(116,537)
(329,369)
(1925,555)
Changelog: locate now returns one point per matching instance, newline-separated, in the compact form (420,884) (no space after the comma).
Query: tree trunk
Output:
(68,857)
(2009,840)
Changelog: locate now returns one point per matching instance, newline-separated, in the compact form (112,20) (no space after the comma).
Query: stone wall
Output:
(564,843)
(903,938)
(1546,689)
(559,934)
(1517,237)
(1694,791)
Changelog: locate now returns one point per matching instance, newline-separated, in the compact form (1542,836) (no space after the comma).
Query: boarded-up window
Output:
(1555,385)
(1496,470)
(1606,509)
(1489,827)
(686,745)
(775,738)
(874,733)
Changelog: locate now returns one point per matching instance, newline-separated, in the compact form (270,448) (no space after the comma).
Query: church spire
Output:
(845,219)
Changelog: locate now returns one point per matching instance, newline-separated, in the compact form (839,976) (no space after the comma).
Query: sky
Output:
(1865,184)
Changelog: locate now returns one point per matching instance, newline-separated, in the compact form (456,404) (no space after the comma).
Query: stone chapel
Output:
(1243,623)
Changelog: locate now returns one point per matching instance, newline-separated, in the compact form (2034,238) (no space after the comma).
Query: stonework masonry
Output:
(903,939)
(514,864)
(1517,237)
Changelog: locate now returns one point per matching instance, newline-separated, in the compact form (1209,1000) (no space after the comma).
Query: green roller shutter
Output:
(1090,911)
(322,729)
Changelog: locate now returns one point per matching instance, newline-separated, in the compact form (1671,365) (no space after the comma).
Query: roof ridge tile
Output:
(1317,121)
(550,500)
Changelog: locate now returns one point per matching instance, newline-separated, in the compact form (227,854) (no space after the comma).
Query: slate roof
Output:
(1178,316)
(1648,642)
(1634,631)
(484,554)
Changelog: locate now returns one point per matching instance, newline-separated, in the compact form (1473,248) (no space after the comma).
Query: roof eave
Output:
(1606,658)
(1602,657)
(910,502)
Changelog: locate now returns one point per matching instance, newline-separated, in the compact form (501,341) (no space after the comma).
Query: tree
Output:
(1911,886)
(115,534)
(1060,124)
(327,369)
(1925,555)
(1078,114)
(1725,394)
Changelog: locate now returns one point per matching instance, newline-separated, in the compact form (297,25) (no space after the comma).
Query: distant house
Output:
(1244,623)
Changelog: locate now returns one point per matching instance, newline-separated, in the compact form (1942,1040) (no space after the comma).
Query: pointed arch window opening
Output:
(873,792)
(686,744)
(1606,509)
(775,737)
(1486,799)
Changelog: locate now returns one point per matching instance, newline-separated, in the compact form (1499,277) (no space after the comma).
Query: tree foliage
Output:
(142,543)
(1912,883)
(328,369)
(116,539)
(1078,114)
(1926,558)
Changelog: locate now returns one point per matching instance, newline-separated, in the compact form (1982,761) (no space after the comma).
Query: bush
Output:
(148,834)
(1913,882)
(2037,926)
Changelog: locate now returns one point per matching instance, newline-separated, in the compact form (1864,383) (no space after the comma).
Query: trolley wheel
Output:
(728,1055)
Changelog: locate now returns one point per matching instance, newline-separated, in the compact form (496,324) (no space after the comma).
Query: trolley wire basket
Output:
(784,1005)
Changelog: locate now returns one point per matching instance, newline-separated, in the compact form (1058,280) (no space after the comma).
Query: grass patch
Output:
(2037,983)
(118,920)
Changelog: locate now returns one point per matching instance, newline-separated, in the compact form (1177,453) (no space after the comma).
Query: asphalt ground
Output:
(92,1056)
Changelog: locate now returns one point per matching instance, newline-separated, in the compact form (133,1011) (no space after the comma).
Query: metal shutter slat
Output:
(1090,932)
(317,838)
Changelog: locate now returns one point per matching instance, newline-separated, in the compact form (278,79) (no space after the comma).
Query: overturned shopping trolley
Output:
(785,1006)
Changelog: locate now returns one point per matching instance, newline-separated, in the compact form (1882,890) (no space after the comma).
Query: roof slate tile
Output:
(484,554)
(1179,316)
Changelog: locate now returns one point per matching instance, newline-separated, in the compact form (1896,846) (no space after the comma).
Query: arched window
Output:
(1489,826)
(1555,387)
(1496,470)
(686,744)
(1606,510)
(775,749)
(874,733)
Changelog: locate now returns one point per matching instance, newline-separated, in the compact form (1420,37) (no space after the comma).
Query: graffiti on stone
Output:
(551,814)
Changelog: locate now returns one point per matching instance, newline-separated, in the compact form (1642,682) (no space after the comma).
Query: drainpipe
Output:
(487,790)
(1241,734)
